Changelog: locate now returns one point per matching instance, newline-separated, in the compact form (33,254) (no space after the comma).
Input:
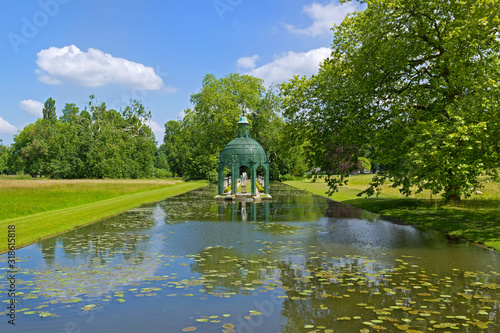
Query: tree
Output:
(192,143)
(49,110)
(416,83)
(4,156)
(70,113)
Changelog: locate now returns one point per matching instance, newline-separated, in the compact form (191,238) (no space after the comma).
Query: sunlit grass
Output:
(26,197)
(476,218)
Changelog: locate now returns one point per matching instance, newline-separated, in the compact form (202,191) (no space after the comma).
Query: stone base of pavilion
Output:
(243,197)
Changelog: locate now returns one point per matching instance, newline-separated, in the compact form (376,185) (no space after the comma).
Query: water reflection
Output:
(299,263)
(243,211)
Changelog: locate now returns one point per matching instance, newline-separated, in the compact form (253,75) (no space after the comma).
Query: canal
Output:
(299,263)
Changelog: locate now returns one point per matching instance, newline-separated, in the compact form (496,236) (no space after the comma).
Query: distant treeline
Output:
(95,142)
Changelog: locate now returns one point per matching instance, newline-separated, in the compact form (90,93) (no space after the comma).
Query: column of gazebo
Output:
(253,172)
(234,174)
(266,181)
(221,179)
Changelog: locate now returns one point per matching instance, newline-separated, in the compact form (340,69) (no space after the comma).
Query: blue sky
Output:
(156,51)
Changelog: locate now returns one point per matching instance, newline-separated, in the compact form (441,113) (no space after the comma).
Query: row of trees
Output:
(97,142)
(93,143)
(412,85)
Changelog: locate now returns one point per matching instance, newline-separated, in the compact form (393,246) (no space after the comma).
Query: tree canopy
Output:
(94,143)
(191,144)
(413,83)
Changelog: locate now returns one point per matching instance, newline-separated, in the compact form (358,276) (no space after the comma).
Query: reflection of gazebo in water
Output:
(243,151)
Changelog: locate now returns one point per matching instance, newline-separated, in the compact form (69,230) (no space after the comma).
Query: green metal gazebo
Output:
(243,151)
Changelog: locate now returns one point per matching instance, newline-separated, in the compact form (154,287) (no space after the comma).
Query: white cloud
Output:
(247,62)
(170,90)
(292,63)
(324,17)
(6,127)
(32,107)
(158,130)
(93,68)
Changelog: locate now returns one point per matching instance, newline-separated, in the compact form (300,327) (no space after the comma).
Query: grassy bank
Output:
(27,197)
(476,219)
(30,228)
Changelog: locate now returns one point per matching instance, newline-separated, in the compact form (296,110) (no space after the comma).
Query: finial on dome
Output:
(243,119)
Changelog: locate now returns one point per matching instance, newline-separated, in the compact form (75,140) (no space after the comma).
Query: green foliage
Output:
(191,144)
(4,156)
(413,82)
(49,110)
(286,178)
(365,164)
(70,113)
(162,173)
(97,143)
(213,177)
(161,161)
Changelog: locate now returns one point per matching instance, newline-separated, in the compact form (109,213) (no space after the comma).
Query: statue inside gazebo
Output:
(243,151)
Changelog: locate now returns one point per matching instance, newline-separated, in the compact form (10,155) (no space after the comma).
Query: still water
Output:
(300,263)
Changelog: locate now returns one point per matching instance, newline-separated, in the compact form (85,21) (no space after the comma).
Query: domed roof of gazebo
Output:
(243,148)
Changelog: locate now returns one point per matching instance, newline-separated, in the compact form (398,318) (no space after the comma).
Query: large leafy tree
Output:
(192,143)
(414,82)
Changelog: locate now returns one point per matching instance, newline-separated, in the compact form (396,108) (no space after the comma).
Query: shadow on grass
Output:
(477,220)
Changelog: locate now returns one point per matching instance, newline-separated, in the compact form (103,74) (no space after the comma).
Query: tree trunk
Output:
(453,198)
(451,194)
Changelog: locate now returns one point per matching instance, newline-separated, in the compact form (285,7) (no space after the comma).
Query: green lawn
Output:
(54,219)
(27,197)
(476,219)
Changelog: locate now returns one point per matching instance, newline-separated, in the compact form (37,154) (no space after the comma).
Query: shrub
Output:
(213,177)
(162,173)
(286,178)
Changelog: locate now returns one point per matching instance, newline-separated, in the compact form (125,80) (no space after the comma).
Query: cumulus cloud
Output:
(32,107)
(324,16)
(93,68)
(292,63)
(247,62)
(158,130)
(6,127)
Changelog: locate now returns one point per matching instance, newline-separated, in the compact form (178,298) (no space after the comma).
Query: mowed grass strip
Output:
(34,227)
(26,197)
(476,219)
